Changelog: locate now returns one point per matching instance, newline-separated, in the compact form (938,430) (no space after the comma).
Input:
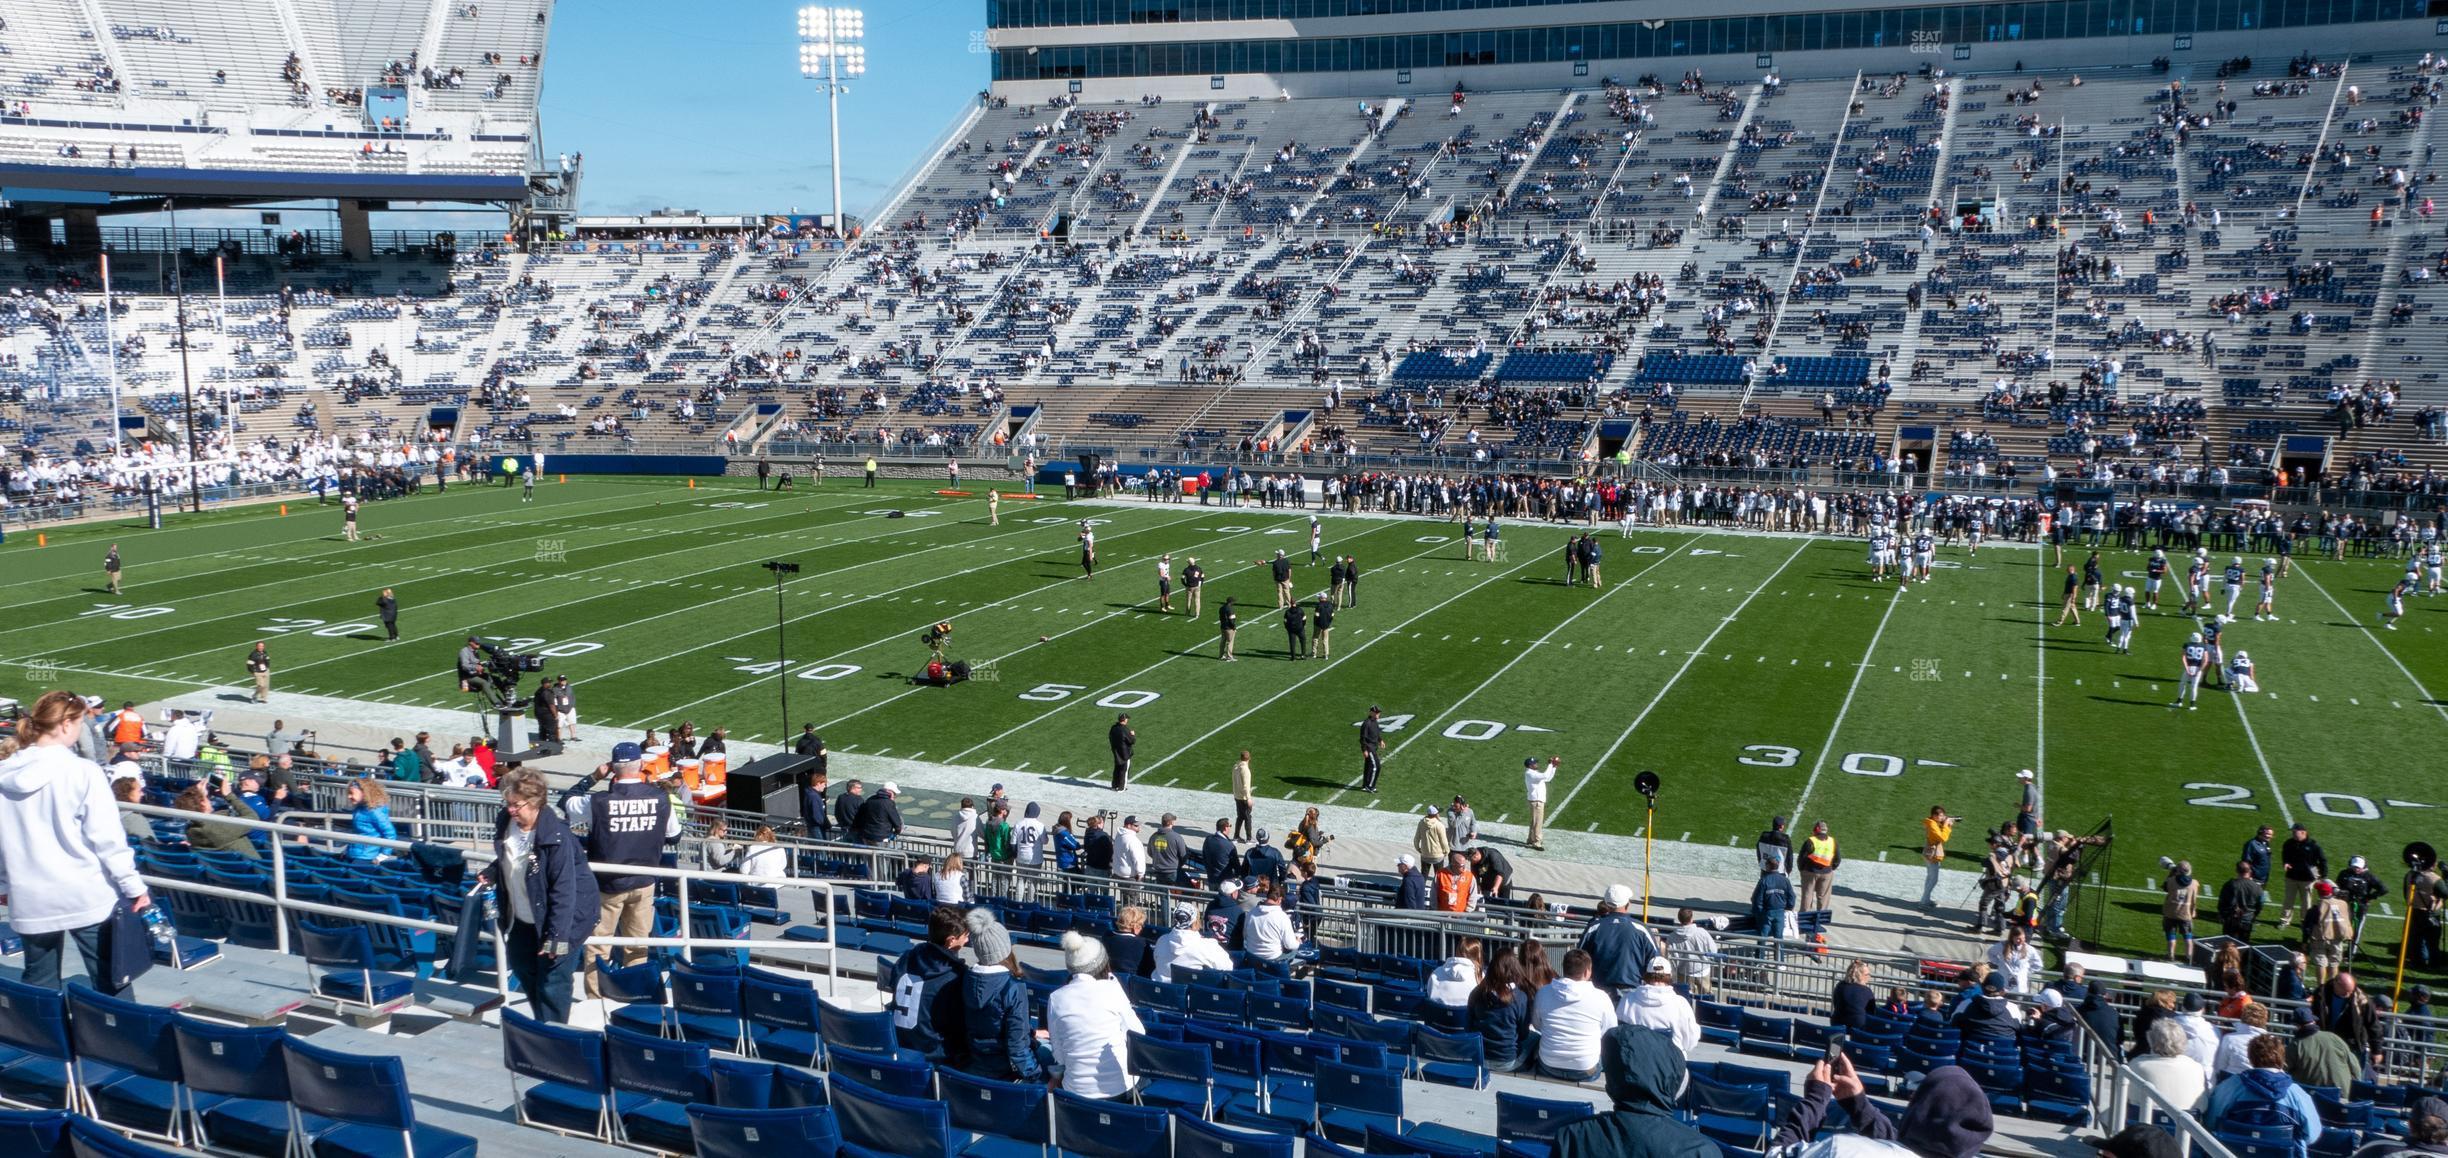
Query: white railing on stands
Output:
(2120,1098)
(277,863)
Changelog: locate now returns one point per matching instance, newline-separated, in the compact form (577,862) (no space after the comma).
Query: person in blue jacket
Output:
(1002,1039)
(1771,899)
(370,815)
(1066,845)
(1412,893)
(547,902)
(926,1001)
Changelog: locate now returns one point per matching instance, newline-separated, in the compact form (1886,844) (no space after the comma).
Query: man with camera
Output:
(472,667)
(2239,903)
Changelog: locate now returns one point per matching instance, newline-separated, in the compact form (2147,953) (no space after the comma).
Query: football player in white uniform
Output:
(2126,624)
(2431,566)
(2188,685)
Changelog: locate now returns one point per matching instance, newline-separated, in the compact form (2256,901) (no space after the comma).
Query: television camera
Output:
(491,670)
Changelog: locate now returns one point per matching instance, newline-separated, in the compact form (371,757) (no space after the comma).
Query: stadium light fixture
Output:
(830,52)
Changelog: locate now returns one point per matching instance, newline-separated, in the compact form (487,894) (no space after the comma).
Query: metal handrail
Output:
(825,889)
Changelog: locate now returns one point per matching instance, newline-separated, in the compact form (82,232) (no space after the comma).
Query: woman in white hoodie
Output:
(64,859)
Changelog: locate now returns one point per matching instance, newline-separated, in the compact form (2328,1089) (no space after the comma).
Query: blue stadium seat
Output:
(854,1029)
(1530,1124)
(36,1133)
(1005,1119)
(367,1098)
(719,1132)
(572,1093)
(91,1139)
(707,1007)
(885,1124)
(901,1075)
(350,975)
(236,1083)
(1352,1100)
(783,1023)
(1177,1074)
(1109,1128)
(1450,1059)
(1193,1138)
(666,1076)
(127,1062)
(35,1055)
(642,1002)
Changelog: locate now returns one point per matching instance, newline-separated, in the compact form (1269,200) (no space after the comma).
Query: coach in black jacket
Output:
(1123,739)
(846,809)
(879,819)
(549,908)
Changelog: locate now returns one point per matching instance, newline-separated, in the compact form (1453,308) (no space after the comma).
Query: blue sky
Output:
(674,107)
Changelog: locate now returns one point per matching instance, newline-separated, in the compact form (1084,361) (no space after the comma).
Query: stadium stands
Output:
(1229,261)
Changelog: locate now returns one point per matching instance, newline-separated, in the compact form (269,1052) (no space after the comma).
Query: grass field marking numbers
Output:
(1621,585)
(1254,619)
(452,573)
(314,556)
(682,610)
(1592,771)
(1015,598)
(1846,708)
(2336,805)
(1330,665)
(124,611)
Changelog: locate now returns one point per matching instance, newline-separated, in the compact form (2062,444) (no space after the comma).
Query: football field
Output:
(1758,675)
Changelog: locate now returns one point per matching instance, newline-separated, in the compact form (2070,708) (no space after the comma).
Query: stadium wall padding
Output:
(664,464)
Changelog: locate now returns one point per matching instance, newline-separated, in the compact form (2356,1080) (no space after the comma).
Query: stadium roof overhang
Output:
(141,190)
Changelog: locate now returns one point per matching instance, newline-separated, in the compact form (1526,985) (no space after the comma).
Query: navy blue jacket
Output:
(625,826)
(1217,857)
(557,881)
(1413,892)
(1002,1041)
(1499,1025)
(1620,948)
(926,1002)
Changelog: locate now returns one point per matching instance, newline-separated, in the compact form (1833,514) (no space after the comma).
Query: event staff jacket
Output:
(626,824)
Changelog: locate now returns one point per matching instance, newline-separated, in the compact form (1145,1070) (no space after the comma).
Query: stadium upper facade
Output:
(116,104)
(1104,49)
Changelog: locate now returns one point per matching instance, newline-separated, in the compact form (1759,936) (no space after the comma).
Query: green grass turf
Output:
(1758,675)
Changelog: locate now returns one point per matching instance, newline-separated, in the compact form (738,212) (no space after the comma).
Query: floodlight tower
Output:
(830,52)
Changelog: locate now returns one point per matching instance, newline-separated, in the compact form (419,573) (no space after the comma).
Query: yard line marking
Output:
(892,699)
(1168,525)
(1126,681)
(2375,640)
(1671,681)
(2040,689)
(1826,746)
(684,609)
(1330,665)
(2284,813)
(485,593)
(251,557)
(1586,608)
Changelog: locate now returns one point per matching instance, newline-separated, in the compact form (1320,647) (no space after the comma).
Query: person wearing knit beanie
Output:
(989,942)
(1083,955)
(1001,1038)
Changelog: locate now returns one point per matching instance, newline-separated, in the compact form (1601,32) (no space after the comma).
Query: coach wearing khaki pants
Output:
(1534,782)
(627,824)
